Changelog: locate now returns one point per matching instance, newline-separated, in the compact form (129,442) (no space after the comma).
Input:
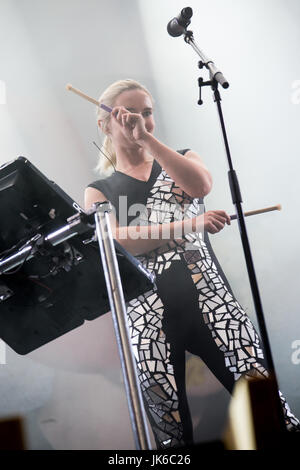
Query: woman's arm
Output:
(188,171)
(144,238)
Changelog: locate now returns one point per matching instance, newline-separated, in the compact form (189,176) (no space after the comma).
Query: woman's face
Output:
(135,101)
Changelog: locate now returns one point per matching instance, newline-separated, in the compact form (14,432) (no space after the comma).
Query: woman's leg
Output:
(223,326)
(161,370)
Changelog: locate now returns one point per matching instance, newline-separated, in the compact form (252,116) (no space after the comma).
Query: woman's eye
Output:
(147,113)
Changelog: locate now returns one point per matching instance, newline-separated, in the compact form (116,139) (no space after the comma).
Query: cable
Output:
(104,155)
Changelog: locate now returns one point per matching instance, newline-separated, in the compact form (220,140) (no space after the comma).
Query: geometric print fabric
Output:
(230,327)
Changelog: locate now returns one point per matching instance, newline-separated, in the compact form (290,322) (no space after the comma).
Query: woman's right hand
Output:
(212,221)
(132,125)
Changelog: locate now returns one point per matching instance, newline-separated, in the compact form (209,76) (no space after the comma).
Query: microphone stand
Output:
(216,78)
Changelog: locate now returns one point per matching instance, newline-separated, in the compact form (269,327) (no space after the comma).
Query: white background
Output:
(70,391)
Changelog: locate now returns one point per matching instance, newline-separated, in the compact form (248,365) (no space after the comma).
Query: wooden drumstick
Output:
(89,98)
(259,211)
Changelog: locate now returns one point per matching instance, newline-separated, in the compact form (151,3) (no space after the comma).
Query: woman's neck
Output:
(131,157)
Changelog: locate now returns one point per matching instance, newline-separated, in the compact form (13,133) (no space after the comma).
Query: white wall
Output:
(69,389)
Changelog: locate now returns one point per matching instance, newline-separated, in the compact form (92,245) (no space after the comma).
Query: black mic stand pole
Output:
(216,78)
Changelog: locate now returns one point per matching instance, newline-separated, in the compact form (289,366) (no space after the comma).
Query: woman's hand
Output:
(212,221)
(131,124)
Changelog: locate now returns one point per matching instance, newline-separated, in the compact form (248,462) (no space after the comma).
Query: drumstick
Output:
(259,211)
(89,98)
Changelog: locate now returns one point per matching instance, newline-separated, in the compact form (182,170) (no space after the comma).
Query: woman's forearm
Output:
(142,239)
(190,174)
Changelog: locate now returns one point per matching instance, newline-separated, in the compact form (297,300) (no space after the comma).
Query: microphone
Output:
(177,26)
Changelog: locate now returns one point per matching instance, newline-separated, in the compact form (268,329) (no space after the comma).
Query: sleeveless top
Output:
(159,201)
(119,186)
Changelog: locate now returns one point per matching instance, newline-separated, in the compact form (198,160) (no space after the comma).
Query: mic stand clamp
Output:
(201,84)
(215,73)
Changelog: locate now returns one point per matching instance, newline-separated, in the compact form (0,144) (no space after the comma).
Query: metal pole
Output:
(237,201)
(119,315)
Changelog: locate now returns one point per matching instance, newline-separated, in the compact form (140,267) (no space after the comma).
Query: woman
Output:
(192,306)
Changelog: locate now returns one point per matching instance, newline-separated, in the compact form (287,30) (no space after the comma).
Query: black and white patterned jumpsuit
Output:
(191,308)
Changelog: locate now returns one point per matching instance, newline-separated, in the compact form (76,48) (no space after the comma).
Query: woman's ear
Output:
(104,129)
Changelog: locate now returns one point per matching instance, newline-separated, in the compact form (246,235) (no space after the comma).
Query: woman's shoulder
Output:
(101,183)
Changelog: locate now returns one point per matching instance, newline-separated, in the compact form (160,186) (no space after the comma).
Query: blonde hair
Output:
(108,97)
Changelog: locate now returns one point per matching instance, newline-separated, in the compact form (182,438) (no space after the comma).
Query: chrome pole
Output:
(119,315)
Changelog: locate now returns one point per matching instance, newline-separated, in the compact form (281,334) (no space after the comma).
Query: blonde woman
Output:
(157,194)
